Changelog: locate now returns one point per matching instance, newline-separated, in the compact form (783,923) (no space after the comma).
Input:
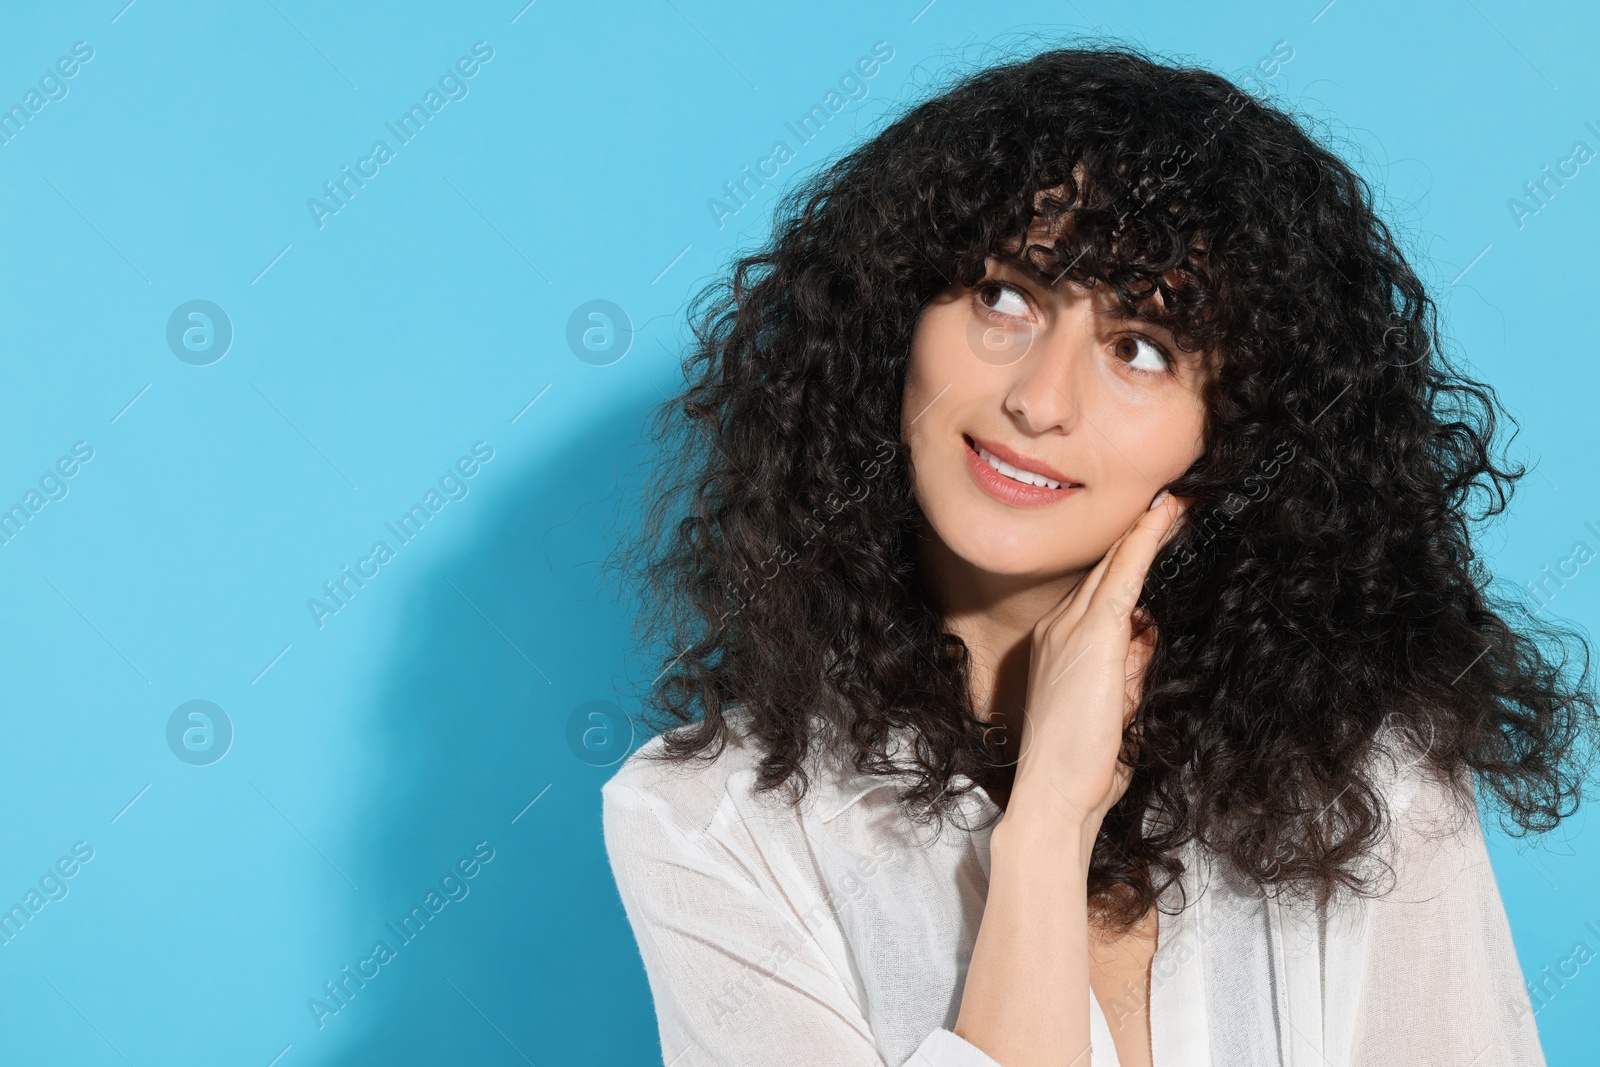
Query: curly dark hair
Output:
(1322,587)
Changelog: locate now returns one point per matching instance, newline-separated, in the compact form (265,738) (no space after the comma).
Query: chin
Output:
(988,545)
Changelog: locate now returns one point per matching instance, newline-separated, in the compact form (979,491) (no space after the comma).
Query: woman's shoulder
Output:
(688,792)
(1415,795)
(1422,818)
(685,792)
(1429,820)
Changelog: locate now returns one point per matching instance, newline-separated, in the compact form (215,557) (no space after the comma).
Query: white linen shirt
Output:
(839,934)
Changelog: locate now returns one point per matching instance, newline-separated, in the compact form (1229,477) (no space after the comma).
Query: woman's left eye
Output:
(1019,304)
(1142,354)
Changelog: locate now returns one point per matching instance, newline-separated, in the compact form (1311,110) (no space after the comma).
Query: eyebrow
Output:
(1021,265)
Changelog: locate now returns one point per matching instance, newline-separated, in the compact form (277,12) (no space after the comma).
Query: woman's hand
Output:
(1027,993)
(1085,680)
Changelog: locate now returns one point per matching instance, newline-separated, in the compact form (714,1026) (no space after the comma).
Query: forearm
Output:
(1026,998)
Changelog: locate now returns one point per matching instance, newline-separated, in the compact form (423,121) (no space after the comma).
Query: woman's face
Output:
(1054,382)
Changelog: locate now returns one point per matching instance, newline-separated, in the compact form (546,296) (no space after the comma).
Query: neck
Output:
(995,615)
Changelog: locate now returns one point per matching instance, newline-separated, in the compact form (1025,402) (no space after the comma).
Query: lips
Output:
(1009,490)
(1019,461)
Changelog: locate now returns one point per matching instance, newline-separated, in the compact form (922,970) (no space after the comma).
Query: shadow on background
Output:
(535,963)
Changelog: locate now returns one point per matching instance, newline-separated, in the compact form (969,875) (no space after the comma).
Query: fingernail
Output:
(1159,498)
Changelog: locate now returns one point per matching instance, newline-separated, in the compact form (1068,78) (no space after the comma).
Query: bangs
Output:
(1091,231)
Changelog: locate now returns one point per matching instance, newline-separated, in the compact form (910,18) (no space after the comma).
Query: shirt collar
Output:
(847,786)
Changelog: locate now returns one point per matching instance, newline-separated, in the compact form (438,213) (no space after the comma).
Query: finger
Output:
(1083,596)
(1115,597)
(1074,603)
(1070,608)
(1081,593)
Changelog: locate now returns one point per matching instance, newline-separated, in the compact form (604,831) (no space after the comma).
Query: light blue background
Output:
(428,314)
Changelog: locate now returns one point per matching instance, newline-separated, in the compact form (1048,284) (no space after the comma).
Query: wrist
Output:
(1044,829)
(1037,801)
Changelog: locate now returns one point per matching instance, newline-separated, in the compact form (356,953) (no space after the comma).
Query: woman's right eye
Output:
(999,291)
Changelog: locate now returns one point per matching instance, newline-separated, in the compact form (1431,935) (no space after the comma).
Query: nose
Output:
(1049,384)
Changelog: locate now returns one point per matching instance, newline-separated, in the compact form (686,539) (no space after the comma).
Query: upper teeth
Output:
(1009,471)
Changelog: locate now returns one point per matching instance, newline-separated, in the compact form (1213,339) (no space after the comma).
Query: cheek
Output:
(942,377)
(1155,443)
(936,355)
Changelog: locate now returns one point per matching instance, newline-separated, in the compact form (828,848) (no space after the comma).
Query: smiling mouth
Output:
(1016,474)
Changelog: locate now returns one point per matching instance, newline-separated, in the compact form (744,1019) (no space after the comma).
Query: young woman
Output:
(1069,510)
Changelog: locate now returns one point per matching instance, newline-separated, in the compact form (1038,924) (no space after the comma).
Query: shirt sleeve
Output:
(736,977)
(1442,983)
